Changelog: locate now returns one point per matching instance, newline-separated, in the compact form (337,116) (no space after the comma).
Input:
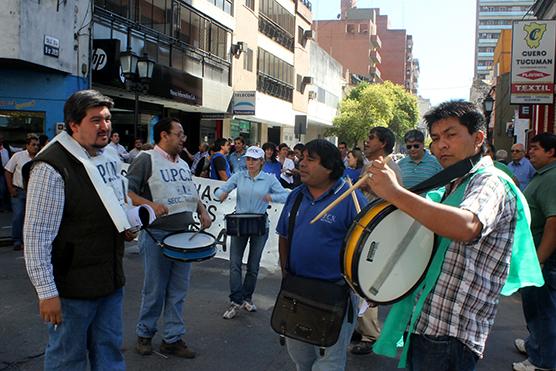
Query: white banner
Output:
(217,210)
(533,44)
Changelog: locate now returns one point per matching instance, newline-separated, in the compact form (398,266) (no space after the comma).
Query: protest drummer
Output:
(478,232)
(74,234)
(314,251)
(255,190)
(162,180)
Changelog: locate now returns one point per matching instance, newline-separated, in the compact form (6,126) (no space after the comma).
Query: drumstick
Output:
(346,193)
(194,234)
(354,196)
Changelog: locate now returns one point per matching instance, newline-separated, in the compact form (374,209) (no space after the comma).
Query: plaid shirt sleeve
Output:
(44,208)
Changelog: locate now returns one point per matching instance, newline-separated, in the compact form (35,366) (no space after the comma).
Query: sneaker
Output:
(178,349)
(528,366)
(144,346)
(232,311)
(520,346)
(249,306)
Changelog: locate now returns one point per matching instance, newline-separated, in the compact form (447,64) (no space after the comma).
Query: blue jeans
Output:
(165,287)
(93,326)
(439,353)
(238,291)
(18,214)
(539,308)
(307,357)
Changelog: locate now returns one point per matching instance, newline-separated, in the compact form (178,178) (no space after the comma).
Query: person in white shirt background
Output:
(288,166)
(115,143)
(14,182)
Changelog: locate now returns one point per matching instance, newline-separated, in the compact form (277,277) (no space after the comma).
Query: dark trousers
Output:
(439,353)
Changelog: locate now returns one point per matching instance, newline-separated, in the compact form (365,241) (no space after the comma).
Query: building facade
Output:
(44,58)
(492,17)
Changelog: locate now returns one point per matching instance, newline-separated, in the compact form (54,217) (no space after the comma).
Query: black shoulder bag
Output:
(308,309)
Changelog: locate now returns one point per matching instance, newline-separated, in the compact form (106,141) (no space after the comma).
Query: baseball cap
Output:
(254,152)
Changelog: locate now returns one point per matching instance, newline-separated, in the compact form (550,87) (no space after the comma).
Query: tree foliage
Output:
(369,105)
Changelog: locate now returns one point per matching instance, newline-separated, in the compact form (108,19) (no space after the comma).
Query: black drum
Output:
(246,224)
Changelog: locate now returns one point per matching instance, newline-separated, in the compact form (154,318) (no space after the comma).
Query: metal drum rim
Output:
(181,249)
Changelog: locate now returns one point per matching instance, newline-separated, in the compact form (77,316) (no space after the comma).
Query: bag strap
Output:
(291,224)
(448,175)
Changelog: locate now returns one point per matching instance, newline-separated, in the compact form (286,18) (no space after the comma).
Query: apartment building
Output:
(493,16)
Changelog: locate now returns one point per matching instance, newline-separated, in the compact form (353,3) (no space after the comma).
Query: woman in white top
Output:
(288,166)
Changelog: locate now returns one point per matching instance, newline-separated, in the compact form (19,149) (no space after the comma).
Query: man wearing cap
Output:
(420,165)
(255,190)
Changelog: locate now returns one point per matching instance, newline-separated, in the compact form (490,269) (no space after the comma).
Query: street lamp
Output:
(137,72)
(488,106)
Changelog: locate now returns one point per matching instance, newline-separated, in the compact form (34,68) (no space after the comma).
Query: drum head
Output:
(181,241)
(245,216)
(391,255)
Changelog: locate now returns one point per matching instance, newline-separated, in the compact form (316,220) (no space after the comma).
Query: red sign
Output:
(533,88)
(533,75)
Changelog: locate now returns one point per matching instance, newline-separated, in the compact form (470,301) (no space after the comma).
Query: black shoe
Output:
(362,347)
(178,349)
(144,346)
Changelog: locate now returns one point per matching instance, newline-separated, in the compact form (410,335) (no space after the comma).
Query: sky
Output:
(443,40)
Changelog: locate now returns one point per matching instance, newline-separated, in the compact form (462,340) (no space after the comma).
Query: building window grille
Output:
(250,4)
(248,60)
(276,33)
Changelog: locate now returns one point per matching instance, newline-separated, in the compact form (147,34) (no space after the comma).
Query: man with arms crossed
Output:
(73,247)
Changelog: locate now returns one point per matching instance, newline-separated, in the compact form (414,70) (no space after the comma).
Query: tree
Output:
(369,105)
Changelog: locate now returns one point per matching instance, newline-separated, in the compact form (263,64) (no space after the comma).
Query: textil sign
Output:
(533,44)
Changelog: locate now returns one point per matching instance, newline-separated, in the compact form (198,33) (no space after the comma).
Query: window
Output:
(250,4)
(364,28)
(278,15)
(145,12)
(17,124)
(350,28)
(248,60)
(160,23)
(184,25)
(177,59)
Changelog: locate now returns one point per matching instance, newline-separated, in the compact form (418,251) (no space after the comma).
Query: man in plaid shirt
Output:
(457,315)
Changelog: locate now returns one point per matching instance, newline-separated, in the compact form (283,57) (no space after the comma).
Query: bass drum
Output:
(386,253)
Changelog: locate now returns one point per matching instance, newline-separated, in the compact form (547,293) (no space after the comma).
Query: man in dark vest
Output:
(74,235)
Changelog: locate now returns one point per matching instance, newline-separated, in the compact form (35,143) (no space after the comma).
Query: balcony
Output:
(374,56)
(374,74)
(375,41)
(269,85)
(275,32)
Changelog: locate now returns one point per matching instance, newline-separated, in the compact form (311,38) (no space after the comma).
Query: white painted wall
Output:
(24,24)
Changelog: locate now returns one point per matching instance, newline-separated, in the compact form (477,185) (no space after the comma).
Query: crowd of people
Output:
(74,253)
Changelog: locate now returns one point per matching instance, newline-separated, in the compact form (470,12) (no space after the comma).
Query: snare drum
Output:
(386,253)
(178,246)
(246,224)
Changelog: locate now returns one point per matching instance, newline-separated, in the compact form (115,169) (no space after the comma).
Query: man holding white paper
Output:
(161,179)
(74,233)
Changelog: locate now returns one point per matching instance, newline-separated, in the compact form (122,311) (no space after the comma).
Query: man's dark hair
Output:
(299,147)
(218,143)
(547,141)
(465,112)
(240,138)
(165,125)
(75,108)
(31,137)
(386,136)
(329,154)
(490,145)
(414,135)
(282,145)
(344,143)
(268,145)
(114,133)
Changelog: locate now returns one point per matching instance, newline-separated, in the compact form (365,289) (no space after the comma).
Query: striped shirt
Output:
(463,302)
(414,172)
(44,209)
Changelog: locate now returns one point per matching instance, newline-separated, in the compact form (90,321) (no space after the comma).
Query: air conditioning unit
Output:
(308,34)
(307,80)
(312,94)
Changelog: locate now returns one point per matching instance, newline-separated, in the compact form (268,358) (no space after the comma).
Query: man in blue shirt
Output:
(219,166)
(314,251)
(420,165)
(236,158)
(520,166)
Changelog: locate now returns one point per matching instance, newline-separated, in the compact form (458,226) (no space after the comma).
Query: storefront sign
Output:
(176,85)
(533,44)
(244,103)
(105,62)
(51,46)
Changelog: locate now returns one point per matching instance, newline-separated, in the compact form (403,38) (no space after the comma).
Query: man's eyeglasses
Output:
(515,150)
(410,146)
(179,135)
